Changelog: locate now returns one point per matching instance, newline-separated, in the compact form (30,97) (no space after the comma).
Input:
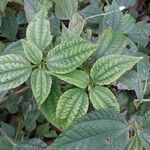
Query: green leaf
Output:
(103,98)
(77,24)
(68,35)
(17,1)
(10,102)
(41,85)
(9,25)
(123,99)
(46,3)
(8,129)
(3,4)
(2,47)
(67,56)
(111,42)
(130,48)
(140,33)
(77,77)
(143,67)
(113,19)
(72,104)
(133,82)
(145,138)
(44,130)
(143,124)
(48,108)
(143,121)
(55,24)
(34,144)
(65,9)
(134,143)
(109,68)
(4,144)
(32,7)
(38,31)
(126,3)
(127,24)
(0,20)
(2,96)
(92,9)
(21,17)
(32,52)
(31,115)
(97,130)
(15,48)
(14,70)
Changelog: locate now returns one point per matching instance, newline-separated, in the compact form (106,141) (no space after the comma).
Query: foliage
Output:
(73,75)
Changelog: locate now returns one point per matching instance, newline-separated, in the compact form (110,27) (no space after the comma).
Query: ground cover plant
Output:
(74,75)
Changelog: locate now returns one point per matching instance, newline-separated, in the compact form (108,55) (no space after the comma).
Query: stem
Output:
(103,14)
(6,136)
(107,2)
(145,86)
(143,100)
(22,90)
(17,132)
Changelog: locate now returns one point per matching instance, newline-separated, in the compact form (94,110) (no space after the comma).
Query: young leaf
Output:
(32,52)
(134,143)
(72,104)
(111,42)
(97,130)
(103,98)
(14,70)
(109,68)
(65,9)
(38,31)
(41,85)
(67,56)
(77,77)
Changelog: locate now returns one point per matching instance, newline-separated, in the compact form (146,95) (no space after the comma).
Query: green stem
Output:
(17,132)
(145,86)
(107,2)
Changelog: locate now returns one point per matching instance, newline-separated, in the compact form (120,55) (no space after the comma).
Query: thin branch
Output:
(7,137)
(103,14)
(143,100)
